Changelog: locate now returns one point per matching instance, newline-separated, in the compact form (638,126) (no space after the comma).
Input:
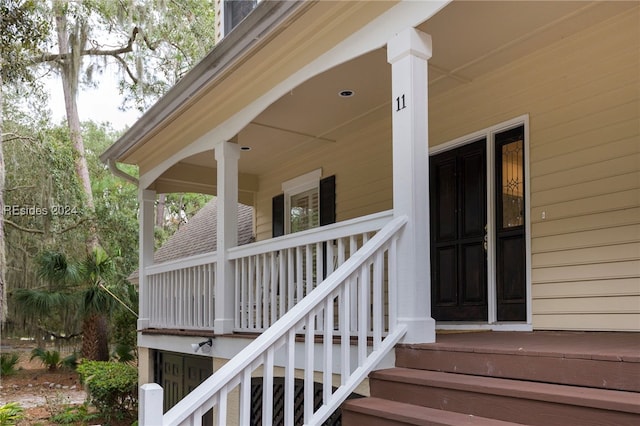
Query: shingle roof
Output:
(199,235)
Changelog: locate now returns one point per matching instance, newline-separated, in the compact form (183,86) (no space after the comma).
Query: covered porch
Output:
(344,91)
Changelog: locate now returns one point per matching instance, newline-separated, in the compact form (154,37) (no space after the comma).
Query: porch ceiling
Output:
(470,39)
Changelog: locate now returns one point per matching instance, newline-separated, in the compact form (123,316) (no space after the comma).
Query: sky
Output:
(100,104)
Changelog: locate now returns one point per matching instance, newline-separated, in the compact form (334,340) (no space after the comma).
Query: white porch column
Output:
(408,53)
(146,200)
(227,156)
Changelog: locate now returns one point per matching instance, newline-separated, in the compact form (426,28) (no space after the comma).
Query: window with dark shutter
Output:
(277,221)
(307,202)
(328,200)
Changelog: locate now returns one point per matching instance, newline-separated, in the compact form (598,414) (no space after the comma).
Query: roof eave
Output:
(265,19)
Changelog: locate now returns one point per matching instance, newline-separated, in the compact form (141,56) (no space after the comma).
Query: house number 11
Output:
(400,103)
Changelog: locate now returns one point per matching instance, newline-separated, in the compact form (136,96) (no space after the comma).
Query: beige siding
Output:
(361,162)
(583,99)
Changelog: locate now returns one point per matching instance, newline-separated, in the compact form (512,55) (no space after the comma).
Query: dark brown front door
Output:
(458,200)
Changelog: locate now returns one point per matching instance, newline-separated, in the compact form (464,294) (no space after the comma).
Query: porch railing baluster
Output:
(366,270)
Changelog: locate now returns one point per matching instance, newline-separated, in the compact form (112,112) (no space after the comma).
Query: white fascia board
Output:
(372,36)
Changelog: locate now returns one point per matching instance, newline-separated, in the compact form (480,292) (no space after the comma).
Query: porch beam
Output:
(146,220)
(408,53)
(227,155)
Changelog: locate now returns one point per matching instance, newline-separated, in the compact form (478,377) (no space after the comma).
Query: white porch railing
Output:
(181,293)
(367,270)
(273,275)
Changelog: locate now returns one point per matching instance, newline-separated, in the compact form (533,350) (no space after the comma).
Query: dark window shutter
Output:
(328,200)
(277,211)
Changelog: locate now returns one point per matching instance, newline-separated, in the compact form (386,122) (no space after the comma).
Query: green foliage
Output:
(22,28)
(112,388)
(124,353)
(51,359)
(77,415)
(8,362)
(11,414)
(123,322)
(70,362)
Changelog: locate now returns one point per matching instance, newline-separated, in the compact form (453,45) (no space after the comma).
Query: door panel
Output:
(445,274)
(475,289)
(179,374)
(458,219)
(510,228)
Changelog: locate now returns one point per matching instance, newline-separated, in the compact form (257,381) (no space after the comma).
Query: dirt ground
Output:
(40,392)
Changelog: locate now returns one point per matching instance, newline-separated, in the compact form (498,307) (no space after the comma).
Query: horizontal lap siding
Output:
(583,99)
(361,162)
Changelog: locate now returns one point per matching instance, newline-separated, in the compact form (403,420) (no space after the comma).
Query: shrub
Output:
(8,362)
(51,359)
(112,388)
(123,353)
(74,415)
(11,414)
(70,361)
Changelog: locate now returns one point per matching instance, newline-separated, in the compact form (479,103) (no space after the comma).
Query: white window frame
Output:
(295,186)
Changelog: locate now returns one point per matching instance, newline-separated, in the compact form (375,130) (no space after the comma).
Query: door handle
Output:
(485,242)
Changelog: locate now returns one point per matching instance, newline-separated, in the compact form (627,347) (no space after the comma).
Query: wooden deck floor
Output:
(606,346)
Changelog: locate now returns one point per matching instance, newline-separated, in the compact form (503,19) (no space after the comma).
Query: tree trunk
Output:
(94,338)
(162,198)
(70,80)
(3,257)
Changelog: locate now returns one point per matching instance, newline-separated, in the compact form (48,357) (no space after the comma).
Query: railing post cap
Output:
(151,387)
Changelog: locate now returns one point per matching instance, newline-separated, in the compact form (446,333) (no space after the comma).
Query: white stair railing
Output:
(292,342)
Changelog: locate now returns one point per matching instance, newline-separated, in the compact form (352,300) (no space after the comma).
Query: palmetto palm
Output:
(96,270)
(71,295)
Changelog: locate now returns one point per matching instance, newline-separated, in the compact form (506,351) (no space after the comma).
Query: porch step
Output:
(596,360)
(507,400)
(382,412)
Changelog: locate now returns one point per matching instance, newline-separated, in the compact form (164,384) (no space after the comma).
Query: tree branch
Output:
(70,227)
(10,137)
(58,336)
(21,228)
(51,57)
(127,69)
(17,188)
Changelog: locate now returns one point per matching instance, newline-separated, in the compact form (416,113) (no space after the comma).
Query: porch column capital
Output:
(227,150)
(407,52)
(409,42)
(147,195)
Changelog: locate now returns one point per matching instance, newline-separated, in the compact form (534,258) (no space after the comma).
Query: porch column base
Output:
(419,330)
(223,326)
(143,323)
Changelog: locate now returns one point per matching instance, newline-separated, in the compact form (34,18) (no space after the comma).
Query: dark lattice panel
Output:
(278,402)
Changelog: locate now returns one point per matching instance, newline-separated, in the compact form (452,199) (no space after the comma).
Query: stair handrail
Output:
(205,396)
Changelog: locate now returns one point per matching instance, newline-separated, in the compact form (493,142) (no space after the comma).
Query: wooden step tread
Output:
(394,412)
(533,358)
(561,394)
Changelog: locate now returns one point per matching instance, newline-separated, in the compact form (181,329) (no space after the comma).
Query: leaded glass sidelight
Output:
(512,184)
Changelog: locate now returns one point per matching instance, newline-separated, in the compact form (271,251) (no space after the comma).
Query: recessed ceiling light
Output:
(245,148)
(346,93)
